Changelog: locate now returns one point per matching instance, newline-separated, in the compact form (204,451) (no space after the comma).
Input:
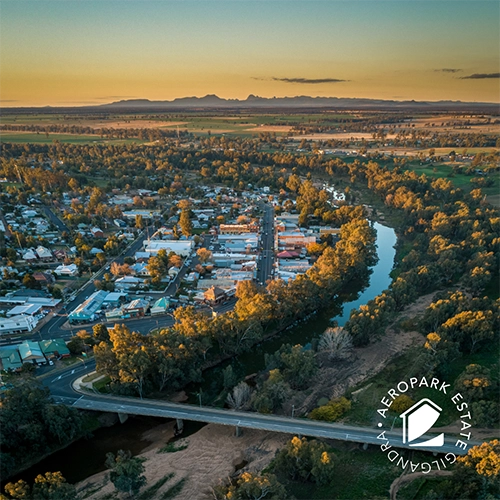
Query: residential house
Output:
(44,279)
(128,282)
(10,360)
(67,270)
(56,348)
(97,232)
(43,253)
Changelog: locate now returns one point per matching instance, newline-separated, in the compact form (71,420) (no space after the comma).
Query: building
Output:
(87,310)
(97,232)
(160,306)
(238,228)
(10,360)
(180,247)
(136,308)
(127,283)
(43,253)
(215,295)
(54,349)
(67,270)
(114,299)
(145,214)
(17,324)
(30,352)
(44,278)
(25,309)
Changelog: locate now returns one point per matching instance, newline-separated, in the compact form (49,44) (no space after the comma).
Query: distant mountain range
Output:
(254,102)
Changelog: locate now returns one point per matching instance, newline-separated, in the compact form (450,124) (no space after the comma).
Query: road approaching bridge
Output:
(66,391)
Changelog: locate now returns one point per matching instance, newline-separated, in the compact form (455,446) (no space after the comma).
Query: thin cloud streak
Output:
(480,76)
(448,70)
(304,81)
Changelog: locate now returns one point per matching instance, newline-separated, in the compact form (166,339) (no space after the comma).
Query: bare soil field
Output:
(270,128)
(213,453)
(127,124)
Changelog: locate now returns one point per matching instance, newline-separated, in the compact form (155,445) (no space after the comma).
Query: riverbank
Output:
(212,453)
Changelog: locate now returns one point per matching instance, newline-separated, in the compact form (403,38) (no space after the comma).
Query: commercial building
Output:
(238,228)
(87,310)
(31,352)
(180,247)
(17,324)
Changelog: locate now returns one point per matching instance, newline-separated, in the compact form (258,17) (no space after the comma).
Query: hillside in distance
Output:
(212,101)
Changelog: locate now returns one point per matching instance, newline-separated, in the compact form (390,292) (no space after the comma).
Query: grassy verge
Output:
(151,492)
(172,448)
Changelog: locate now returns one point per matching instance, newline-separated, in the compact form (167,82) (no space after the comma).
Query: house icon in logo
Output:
(418,419)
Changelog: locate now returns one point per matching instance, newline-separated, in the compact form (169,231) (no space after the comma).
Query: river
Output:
(86,456)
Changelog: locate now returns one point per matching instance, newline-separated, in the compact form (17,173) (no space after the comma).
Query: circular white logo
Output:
(418,419)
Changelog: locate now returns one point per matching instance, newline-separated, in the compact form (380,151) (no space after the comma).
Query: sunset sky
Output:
(65,53)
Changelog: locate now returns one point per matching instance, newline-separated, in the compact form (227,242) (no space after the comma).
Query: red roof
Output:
(287,255)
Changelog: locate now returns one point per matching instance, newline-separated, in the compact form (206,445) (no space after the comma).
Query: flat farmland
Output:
(42,138)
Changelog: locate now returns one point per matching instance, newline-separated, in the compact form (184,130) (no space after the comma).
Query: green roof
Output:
(163,302)
(52,346)
(10,359)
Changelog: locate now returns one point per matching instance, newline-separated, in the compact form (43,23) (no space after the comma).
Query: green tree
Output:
(127,472)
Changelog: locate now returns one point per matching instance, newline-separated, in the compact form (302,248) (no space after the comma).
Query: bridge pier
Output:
(179,426)
(123,417)
(237,431)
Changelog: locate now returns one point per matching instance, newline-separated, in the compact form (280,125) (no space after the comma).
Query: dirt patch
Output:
(213,453)
(127,124)
(270,128)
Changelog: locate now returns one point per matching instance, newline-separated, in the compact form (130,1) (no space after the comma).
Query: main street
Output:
(64,391)
(266,257)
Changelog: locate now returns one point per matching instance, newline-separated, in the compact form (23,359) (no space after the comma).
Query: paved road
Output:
(266,257)
(61,387)
(55,220)
(52,328)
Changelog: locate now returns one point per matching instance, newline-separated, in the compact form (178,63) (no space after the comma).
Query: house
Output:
(67,270)
(215,295)
(29,255)
(140,269)
(54,349)
(43,253)
(160,306)
(97,232)
(30,352)
(10,360)
(173,271)
(44,278)
(96,251)
(127,283)
(17,324)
